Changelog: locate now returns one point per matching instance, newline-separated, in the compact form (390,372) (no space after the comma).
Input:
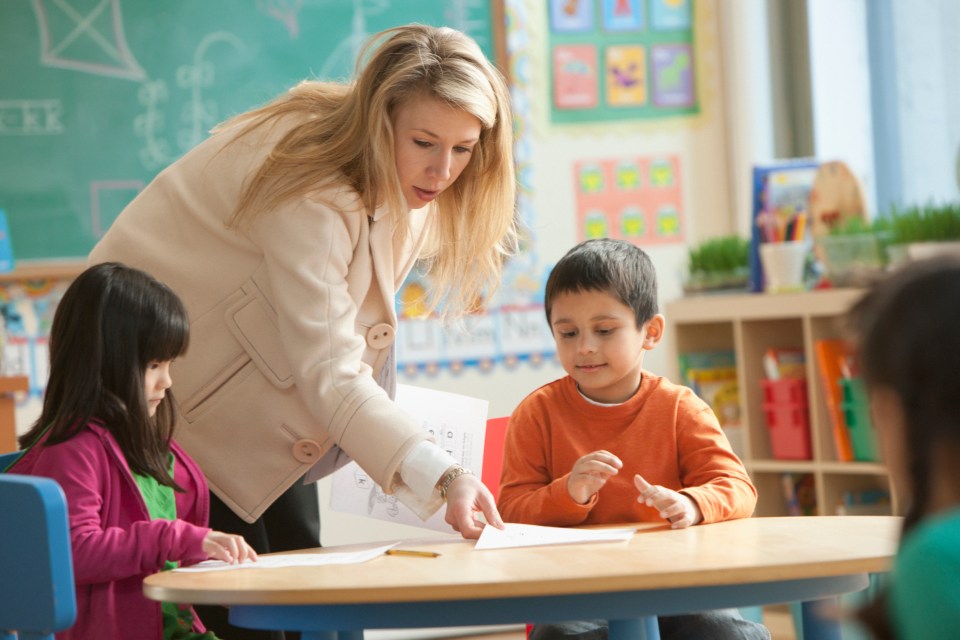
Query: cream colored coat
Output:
(290,320)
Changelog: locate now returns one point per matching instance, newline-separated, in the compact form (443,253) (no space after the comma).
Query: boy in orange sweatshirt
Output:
(611,443)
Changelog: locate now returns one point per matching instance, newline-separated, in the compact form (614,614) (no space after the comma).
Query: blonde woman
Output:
(287,234)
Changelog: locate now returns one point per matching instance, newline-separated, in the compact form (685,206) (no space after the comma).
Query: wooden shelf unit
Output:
(749,324)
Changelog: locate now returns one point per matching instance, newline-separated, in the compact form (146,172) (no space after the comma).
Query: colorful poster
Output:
(621,60)
(626,75)
(673,75)
(622,15)
(669,15)
(639,199)
(575,77)
(571,16)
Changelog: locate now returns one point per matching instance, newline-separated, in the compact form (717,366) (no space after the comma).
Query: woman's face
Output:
(434,142)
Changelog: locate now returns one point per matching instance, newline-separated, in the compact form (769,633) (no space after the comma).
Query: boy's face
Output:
(600,345)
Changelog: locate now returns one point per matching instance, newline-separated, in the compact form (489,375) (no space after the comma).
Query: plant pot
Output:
(716,281)
(923,250)
(852,260)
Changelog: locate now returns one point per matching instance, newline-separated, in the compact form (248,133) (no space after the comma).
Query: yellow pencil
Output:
(798,229)
(411,552)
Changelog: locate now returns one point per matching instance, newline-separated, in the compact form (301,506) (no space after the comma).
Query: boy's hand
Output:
(591,472)
(680,510)
(228,547)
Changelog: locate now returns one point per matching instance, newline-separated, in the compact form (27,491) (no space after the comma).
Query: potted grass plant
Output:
(853,253)
(718,264)
(921,231)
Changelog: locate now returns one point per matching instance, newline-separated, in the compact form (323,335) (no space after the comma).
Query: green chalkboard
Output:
(97,96)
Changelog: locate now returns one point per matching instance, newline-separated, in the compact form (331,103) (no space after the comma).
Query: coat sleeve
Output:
(103,552)
(530,493)
(308,247)
(713,476)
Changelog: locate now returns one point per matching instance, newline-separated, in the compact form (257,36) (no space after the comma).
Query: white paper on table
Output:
(294,560)
(529,535)
(457,423)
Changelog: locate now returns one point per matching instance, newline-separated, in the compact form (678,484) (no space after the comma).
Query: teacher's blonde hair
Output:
(348,137)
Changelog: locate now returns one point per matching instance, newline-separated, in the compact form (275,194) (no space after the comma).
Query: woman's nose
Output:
(440,167)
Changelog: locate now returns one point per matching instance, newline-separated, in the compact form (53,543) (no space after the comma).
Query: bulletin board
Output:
(621,60)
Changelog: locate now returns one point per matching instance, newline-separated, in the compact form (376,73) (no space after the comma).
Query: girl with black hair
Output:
(137,503)
(907,331)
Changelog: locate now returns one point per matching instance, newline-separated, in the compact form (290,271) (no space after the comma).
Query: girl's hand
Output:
(590,473)
(675,507)
(228,547)
(466,496)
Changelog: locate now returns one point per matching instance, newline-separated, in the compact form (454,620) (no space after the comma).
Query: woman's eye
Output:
(421,143)
(463,149)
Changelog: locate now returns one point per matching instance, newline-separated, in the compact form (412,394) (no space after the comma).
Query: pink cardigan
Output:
(115,544)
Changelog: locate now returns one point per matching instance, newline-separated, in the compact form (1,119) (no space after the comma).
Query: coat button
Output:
(306,451)
(381,336)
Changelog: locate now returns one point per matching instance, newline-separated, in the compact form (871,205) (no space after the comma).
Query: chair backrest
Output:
(7,459)
(37,596)
(493,453)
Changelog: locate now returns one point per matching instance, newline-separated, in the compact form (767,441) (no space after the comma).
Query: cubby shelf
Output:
(749,324)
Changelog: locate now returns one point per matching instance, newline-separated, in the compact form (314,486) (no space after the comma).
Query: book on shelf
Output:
(712,375)
(832,357)
(784,362)
(865,502)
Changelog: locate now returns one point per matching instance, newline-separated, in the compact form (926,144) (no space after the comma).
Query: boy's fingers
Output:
(646,489)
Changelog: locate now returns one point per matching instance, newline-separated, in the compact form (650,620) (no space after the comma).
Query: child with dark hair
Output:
(136,502)
(612,443)
(907,332)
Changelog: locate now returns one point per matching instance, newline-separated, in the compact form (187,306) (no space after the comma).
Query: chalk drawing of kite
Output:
(90,40)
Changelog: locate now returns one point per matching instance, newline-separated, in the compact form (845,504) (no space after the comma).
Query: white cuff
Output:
(419,473)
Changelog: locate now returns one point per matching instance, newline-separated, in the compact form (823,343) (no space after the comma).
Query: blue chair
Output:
(7,459)
(37,596)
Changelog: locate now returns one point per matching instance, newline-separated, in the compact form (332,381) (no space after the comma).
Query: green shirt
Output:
(925,589)
(162,505)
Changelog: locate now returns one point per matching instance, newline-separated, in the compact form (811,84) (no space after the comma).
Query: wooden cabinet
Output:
(749,324)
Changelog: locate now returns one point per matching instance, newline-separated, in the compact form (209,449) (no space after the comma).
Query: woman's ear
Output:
(654,331)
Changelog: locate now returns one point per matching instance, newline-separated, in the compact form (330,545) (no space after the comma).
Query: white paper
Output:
(456,422)
(294,560)
(529,535)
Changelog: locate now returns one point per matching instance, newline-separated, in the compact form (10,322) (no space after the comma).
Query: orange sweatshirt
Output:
(664,432)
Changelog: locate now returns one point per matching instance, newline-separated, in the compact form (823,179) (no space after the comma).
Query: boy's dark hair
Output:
(907,333)
(616,267)
(111,322)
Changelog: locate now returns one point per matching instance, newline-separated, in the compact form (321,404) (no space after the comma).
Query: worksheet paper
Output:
(455,422)
(293,560)
(529,535)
